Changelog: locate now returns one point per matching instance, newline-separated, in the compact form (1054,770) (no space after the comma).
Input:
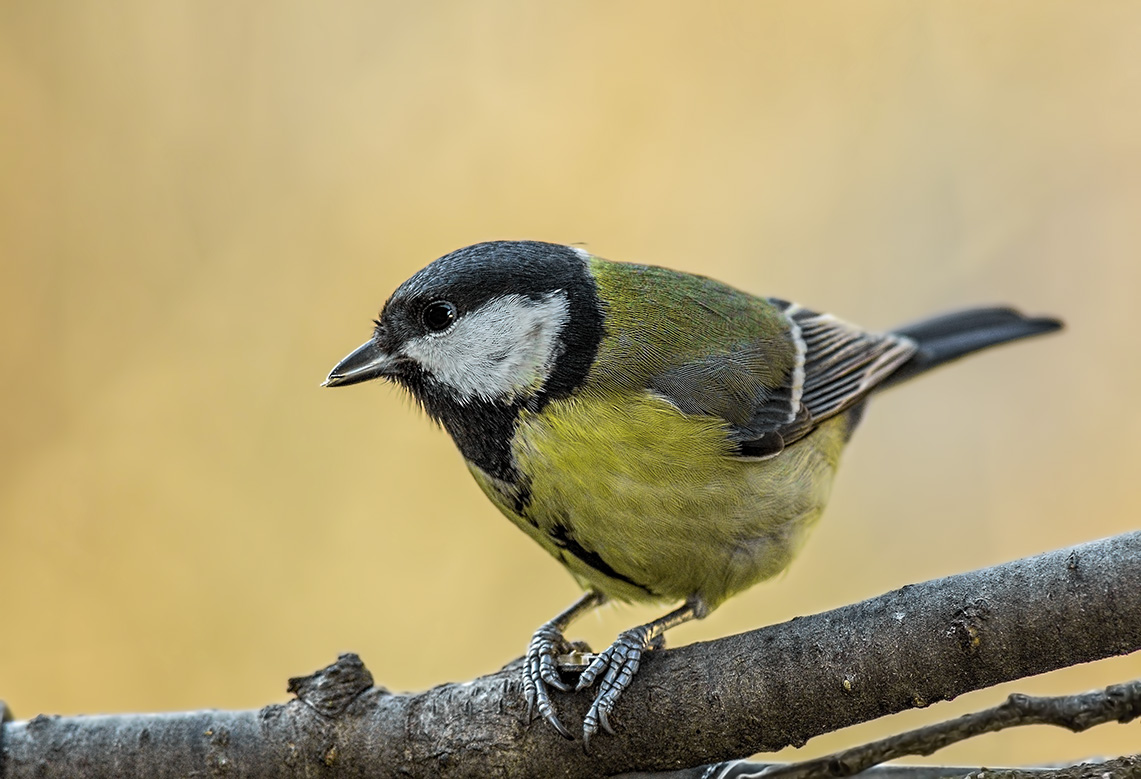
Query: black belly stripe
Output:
(521,499)
(560,534)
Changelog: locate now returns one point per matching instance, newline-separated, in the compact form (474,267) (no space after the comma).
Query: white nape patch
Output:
(500,349)
(581,252)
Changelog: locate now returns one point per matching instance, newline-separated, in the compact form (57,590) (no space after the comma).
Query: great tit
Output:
(664,436)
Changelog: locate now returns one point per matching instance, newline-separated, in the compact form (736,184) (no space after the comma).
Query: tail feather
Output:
(948,337)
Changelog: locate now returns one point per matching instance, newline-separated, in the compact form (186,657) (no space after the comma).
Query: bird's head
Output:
(497,323)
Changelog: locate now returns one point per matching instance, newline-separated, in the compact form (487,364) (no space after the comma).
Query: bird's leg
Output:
(619,662)
(540,669)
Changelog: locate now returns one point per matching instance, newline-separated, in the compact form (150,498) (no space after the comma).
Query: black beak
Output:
(368,361)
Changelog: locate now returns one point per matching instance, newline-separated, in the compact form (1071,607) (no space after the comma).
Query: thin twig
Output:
(1116,703)
(1128,767)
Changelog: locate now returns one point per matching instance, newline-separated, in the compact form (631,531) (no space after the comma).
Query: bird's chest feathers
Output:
(642,502)
(602,479)
(610,450)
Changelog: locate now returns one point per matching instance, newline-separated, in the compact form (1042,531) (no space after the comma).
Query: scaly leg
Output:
(540,669)
(620,661)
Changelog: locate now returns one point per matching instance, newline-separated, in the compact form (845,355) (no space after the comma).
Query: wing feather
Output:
(844,363)
(836,365)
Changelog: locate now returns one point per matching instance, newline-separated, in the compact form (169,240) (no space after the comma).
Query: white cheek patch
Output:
(498,350)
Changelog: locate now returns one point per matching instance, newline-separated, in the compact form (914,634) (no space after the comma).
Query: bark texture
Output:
(707,702)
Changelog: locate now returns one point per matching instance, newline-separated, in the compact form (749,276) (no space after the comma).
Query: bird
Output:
(666,437)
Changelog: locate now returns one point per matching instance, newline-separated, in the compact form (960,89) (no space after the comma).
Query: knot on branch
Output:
(1125,700)
(330,690)
(968,625)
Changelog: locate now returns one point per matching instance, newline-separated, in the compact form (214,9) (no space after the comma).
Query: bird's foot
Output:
(616,665)
(541,670)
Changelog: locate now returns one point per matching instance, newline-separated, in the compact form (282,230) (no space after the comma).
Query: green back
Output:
(658,319)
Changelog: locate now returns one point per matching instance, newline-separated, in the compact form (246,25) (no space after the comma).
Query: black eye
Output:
(438,316)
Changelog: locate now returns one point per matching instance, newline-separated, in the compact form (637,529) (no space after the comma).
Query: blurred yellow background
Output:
(203,204)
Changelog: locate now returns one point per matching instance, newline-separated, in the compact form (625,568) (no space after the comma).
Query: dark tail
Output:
(950,336)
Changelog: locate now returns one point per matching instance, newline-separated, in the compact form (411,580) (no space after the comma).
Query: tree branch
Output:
(1128,767)
(1116,703)
(703,703)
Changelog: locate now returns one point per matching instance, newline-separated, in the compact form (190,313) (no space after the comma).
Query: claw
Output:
(604,720)
(617,664)
(553,719)
(549,672)
(586,678)
(540,670)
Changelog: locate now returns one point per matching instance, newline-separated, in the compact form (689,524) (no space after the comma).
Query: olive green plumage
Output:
(664,436)
(658,320)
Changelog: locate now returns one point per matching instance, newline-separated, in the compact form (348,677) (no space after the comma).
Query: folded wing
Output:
(834,366)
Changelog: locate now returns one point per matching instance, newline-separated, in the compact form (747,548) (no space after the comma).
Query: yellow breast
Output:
(644,503)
